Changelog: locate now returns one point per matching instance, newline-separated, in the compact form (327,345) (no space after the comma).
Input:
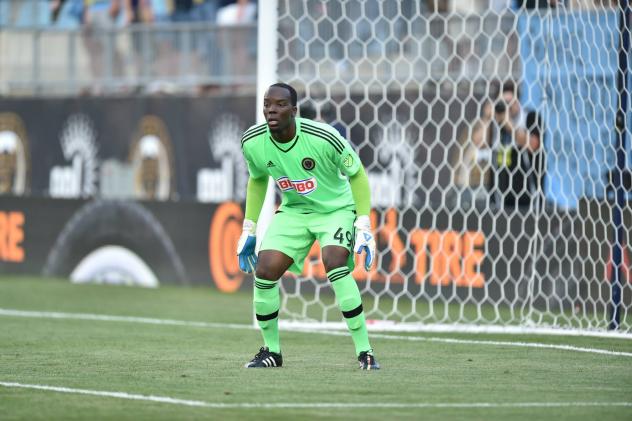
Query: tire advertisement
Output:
(159,149)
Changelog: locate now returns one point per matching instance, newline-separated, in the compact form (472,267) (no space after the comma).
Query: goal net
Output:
(488,138)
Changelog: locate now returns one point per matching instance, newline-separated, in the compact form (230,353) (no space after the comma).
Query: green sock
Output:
(267,303)
(350,303)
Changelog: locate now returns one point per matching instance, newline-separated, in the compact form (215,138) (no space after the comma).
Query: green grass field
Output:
(479,377)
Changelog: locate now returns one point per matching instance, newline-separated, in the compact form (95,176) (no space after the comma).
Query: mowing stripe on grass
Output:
(307,405)
(146,320)
(479,342)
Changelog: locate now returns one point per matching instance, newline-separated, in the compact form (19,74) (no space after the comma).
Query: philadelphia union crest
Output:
(308,164)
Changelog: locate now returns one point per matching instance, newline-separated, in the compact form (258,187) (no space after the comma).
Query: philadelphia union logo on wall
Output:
(308,164)
(78,178)
(14,155)
(226,176)
(152,161)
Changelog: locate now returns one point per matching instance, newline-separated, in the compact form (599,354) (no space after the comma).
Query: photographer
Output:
(514,147)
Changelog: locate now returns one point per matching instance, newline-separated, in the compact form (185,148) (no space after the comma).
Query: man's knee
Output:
(267,272)
(334,258)
(272,265)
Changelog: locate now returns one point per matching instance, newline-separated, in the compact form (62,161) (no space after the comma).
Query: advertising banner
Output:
(144,148)
(120,241)
(149,242)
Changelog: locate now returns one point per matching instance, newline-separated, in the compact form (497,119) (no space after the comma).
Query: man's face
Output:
(278,109)
(512,103)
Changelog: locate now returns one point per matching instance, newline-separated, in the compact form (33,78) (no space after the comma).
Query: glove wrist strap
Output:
(249,226)
(363,222)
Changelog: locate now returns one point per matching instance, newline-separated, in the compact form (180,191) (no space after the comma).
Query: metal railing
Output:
(195,56)
(182,58)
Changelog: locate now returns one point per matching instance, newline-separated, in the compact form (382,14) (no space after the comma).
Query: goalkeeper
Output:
(326,197)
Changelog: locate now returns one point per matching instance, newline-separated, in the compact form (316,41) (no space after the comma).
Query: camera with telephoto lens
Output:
(500,107)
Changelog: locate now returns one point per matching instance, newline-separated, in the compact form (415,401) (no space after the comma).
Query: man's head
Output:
(534,123)
(279,107)
(510,98)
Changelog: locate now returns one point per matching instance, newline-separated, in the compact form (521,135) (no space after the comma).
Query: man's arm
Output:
(364,240)
(522,137)
(255,195)
(361,192)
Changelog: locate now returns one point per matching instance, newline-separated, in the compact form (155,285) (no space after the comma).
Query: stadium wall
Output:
(163,179)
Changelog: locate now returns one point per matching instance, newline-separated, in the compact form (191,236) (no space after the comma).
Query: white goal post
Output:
(481,224)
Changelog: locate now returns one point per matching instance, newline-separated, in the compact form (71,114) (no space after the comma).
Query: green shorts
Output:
(294,233)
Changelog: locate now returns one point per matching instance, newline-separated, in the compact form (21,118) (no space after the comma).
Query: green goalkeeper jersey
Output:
(311,170)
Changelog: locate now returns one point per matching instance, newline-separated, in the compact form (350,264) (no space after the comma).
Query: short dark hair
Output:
(510,86)
(534,123)
(293,94)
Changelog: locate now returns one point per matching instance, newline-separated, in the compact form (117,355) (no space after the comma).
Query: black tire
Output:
(121,223)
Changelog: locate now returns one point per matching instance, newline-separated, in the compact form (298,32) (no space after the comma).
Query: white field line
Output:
(127,319)
(146,320)
(418,327)
(309,405)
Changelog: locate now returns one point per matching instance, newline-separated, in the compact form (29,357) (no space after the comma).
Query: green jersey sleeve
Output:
(247,146)
(253,169)
(348,161)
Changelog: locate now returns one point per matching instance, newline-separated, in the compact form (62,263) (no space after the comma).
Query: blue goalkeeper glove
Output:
(364,240)
(246,247)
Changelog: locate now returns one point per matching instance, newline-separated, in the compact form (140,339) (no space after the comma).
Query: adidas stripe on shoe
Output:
(265,359)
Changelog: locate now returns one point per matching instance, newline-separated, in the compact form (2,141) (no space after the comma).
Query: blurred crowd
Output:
(69,13)
(74,13)
(192,40)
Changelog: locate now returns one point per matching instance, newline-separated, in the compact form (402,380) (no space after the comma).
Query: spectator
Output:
(184,58)
(473,163)
(99,19)
(66,14)
(25,14)
(512,147)
(206,10)
(536,4)
(55,8)
(533,155)
(137,12)
(237,43)
(165,60)
(237,12)
(206,44)
(182,10)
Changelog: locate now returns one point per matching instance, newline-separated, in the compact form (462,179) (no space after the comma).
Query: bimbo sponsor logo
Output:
(301,186)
